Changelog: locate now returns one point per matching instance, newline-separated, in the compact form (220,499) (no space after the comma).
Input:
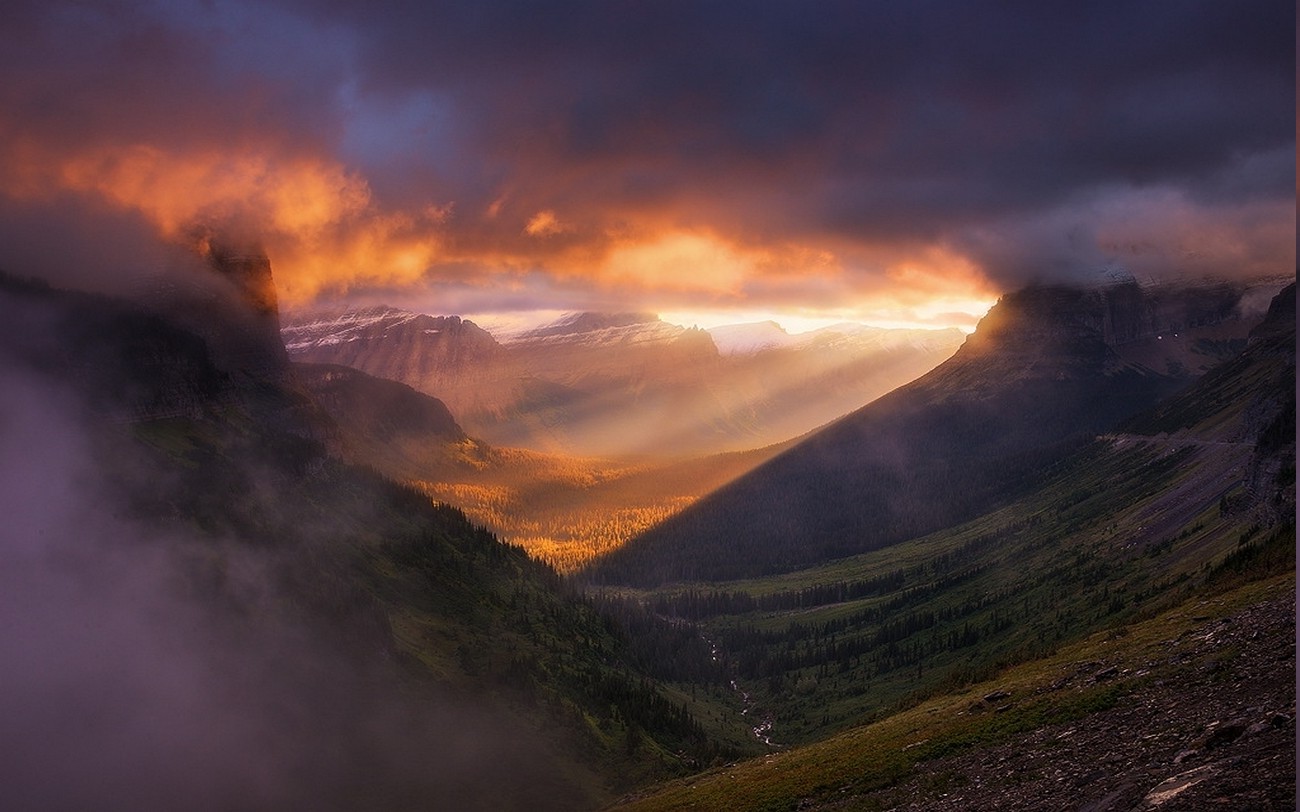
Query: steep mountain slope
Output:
(451,359)
(194,578)
(230,302)
(1046,368)
(1189,508)
(381,423)
(623,383)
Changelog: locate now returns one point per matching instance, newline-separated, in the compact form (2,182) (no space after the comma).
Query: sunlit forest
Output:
(569,511)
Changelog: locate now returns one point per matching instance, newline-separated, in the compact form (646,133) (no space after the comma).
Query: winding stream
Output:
(763,730)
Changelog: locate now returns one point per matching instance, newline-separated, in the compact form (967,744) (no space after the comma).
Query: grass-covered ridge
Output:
(1110,539)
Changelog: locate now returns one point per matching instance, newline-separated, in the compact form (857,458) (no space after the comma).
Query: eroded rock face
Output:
(247,330)
(1046,332)
(1179,331)
(1280,319)
(233,307)
(1132,313)
(248,272)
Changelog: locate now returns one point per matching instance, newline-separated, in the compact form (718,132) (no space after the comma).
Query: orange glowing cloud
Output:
(316,219)
(293,196)
(544,224)
(324,231)
(927,285)
(680,260)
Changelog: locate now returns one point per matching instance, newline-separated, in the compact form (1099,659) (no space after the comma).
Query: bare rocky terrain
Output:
(1210,724)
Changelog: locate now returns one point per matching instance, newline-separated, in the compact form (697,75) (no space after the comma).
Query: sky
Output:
(899,163)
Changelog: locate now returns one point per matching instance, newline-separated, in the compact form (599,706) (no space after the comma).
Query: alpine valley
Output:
(615,561)
(586,405)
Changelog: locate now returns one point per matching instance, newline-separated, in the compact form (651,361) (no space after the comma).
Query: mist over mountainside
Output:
(746,339)
(624,383)
(371,413)
(214,611)
(1047,368)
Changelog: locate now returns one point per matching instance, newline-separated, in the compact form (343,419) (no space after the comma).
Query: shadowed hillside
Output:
(1047,369)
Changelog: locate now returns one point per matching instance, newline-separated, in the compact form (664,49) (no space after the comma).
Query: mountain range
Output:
(217,556)
(624,383)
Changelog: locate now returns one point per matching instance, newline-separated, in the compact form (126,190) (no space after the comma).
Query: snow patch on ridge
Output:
(327,330)
(747,339)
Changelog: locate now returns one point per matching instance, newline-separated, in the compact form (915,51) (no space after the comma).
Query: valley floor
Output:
(1191,710)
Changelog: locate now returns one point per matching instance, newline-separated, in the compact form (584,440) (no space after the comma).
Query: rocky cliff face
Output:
(248,273)
(1048,331)
(427,352)
(1279,321)
(232,306)
(1178,331)
(1133,313)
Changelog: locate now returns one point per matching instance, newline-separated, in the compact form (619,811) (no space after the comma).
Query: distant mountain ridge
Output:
(746,339)
(768,336)
(1048,366)
(587,322)
(620,383)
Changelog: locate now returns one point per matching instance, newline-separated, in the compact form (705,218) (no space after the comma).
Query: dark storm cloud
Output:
(866,121)
(183,73)
(957,90)
(870,130)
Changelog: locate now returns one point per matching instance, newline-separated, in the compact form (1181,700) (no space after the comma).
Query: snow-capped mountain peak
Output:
(750,338)
(595,329)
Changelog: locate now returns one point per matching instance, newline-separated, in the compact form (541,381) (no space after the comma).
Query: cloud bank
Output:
(663,154)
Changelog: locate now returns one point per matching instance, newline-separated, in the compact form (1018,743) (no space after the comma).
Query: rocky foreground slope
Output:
(1207,721)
